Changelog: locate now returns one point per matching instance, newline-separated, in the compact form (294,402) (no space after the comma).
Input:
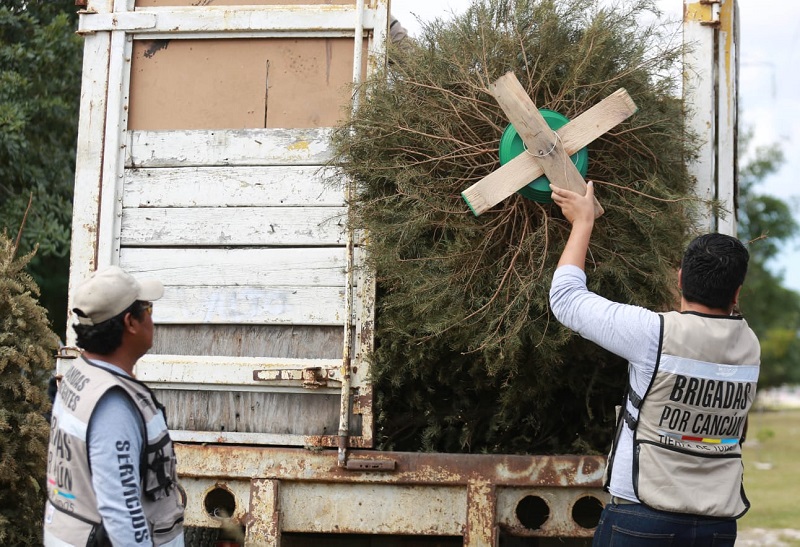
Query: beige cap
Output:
(109,292)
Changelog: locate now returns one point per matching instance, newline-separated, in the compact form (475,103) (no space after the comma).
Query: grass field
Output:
(772,471)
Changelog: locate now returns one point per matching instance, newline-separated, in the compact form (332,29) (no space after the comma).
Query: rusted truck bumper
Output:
(273,490)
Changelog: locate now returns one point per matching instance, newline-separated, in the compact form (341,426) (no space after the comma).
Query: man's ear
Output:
(736,296)
(130,322)
(680,279)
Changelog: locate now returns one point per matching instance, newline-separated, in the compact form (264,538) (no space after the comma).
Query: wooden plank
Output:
(228,147)
(249,305)
(699,96)
(727,111)
(540,140)
(116,122)
(226,187)
(311,267)
(520,171)
(292,341)
(234,226)
(261,439)
(219,370)
(140,4)
(88,164)
(283,415)
(364,309)
(252,20)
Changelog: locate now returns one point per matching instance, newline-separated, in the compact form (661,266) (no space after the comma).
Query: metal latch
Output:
(311,378)
(713,20)
(68,353)
(370,465)
(65,353)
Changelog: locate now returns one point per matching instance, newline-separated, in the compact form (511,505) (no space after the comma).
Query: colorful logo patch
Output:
(58,492)
(689,438)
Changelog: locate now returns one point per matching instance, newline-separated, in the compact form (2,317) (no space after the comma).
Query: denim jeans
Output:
(634,525)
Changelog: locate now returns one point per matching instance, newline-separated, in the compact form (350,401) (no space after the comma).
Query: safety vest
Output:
(71,516)
(687,437)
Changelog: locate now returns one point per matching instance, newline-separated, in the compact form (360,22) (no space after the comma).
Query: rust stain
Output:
(263,518)
(727,25)
(221,461)
(482,475)
(481,514)
(362,404)
(697,11)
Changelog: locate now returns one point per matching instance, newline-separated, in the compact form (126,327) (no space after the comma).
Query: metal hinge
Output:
(65,354)
(68,352)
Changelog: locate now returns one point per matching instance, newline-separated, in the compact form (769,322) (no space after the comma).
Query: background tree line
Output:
(40,65)
(40,75)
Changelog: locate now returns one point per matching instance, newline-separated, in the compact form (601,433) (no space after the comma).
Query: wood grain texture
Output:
(521,170)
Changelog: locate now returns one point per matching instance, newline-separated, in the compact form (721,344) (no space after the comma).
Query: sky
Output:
(769,88)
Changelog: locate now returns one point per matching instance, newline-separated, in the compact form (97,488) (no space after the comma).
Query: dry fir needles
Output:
(468,357)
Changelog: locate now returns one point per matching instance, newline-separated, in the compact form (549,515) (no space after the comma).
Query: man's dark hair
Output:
(713,267)
(106,337)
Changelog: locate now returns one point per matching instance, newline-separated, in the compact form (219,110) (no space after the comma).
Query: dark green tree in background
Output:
(40,74)
(771,309)
(26,348)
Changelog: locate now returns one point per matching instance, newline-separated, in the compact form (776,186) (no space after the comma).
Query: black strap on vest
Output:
(636,401)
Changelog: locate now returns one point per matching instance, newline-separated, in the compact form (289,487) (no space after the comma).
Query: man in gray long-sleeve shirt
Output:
(674,471)
(110,466)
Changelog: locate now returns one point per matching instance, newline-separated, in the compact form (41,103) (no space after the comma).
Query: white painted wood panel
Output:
(278,341)
(249,305)
(220,370)
(112,167)
(222,291)
(246,415)
(727,112)
(710,79)
(227,187)
(88,164)
(698,98)
(234,437)
(232,147)
(305,267)
(235,226)
(180,21)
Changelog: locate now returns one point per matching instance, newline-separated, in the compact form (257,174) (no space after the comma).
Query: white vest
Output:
(687,438)
(71,516)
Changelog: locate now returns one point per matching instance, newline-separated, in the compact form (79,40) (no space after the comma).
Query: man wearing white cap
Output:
(111,466)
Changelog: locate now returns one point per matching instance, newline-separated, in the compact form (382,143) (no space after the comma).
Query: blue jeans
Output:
(634,525)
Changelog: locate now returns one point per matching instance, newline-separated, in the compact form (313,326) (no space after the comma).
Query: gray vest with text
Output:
(71,517)
(687,439)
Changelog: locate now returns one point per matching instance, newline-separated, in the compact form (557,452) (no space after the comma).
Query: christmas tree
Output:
(27,346)
(468,357)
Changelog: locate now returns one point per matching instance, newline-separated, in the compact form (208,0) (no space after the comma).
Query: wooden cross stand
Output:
(547,153)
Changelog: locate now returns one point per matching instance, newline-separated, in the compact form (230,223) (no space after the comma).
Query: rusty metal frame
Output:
(490,488)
